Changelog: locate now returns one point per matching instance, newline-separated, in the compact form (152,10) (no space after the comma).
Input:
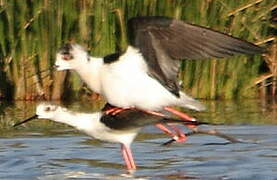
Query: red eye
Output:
(67,57)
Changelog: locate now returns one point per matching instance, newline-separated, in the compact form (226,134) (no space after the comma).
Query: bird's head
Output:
(44,111)
(70,56)
(47,110)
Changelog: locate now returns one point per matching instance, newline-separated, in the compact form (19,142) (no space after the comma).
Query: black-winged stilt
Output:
(144,76)
(120,128)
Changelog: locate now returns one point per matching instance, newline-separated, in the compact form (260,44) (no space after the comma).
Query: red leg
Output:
(178,136)
(128,157)
(164,129)
(154,113)
(111,110)
(115,110)
(180,114)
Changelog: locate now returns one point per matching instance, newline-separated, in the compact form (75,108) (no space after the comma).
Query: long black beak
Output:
(26,120)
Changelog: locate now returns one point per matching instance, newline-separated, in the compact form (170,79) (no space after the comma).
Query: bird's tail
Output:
(188,102)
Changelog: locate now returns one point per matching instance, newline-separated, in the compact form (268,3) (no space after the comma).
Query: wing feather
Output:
(134,118)
(164,41)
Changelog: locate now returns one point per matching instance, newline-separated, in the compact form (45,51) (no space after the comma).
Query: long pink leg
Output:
(180,114)
(128,157)
(115,110)
(178,137)
(164,129)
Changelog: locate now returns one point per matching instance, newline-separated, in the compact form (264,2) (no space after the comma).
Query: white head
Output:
(63,115)
(71,56)
(48,111)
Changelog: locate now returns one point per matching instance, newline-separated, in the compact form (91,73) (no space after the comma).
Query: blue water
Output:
(62,153)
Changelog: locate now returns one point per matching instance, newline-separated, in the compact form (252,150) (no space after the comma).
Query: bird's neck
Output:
(81,121)
(89,73)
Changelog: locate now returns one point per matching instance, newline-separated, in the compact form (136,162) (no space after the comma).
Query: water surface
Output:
(47,150)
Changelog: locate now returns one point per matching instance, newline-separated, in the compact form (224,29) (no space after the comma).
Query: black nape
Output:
(111,58)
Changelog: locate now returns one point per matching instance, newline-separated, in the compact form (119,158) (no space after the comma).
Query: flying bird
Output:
(145,75)
(120,128)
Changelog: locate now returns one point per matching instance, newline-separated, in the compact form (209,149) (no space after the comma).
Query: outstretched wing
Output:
(164,41)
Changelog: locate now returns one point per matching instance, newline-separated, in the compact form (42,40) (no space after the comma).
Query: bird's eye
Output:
(67,57)
(47,109)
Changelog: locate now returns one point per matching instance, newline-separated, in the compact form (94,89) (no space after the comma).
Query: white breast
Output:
(125,83)
(89,73)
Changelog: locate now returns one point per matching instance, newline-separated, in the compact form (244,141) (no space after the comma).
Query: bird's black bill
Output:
(26,120)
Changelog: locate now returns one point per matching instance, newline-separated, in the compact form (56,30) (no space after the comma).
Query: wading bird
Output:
(144,76)
(120,128)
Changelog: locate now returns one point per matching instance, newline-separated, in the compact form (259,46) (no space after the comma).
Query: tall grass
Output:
(32,31)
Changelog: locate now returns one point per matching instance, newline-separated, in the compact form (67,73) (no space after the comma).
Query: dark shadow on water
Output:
(92,162)
(217,144)
(228,143)
(123,173)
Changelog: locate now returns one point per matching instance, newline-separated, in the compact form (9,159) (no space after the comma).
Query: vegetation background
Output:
(31,31)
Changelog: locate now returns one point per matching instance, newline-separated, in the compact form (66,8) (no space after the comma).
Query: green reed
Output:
(32,31)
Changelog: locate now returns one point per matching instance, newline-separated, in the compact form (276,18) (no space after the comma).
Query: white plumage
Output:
(145,76)
(125,82)
(88,123)
(121,128)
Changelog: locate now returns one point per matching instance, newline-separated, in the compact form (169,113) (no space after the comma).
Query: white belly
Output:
(113,136)
(98,131)
(139,92)
(126,84)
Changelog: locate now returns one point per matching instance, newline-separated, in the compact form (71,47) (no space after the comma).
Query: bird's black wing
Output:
(134,118)
(164,41)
